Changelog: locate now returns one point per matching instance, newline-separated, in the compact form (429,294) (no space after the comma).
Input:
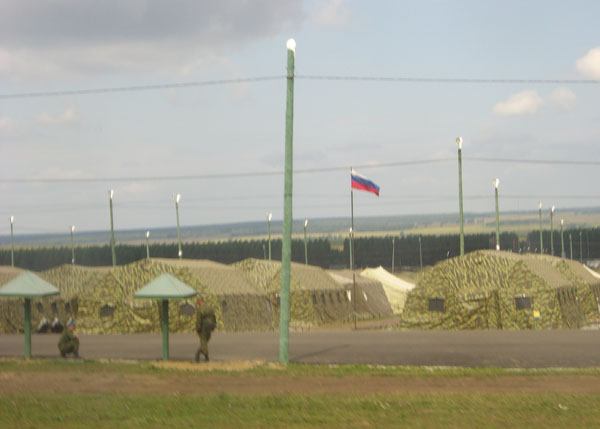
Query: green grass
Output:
(335,411)
(271,369)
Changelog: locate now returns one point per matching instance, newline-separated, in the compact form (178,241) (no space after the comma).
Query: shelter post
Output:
(27,307)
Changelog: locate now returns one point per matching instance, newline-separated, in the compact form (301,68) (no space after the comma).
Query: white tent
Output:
(395,289)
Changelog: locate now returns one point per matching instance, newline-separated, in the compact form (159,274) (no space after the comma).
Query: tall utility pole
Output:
(12,243)
(421,255)
(541,236)
(111,194)
(286,242)
(580,247)
(177,198)
(496,183)
(147,245)
(571,245)
(562,241)
(460,197)
(552,231)
(393,249)
(72,246)
(305,244)
(269,216)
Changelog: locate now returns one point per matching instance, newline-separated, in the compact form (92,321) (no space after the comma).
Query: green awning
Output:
(165,287)
(28,285)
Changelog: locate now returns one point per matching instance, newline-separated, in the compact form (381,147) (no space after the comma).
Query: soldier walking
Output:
(69,342)
(206,322)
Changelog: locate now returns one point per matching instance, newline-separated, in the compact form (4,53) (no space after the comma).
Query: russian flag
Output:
(362,183)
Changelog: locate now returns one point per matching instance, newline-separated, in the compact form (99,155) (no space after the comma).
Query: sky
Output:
(514,79)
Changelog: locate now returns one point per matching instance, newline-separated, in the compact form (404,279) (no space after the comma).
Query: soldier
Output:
(69,342)
(205,324)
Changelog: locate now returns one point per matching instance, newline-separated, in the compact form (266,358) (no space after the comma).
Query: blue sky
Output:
(68,45)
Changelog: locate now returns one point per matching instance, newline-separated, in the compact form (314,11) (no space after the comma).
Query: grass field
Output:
(146,394)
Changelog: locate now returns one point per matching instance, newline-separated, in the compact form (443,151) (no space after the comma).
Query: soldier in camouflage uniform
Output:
(205,324)
(69,342)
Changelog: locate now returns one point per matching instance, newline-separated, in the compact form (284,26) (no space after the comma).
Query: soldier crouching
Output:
(69,342)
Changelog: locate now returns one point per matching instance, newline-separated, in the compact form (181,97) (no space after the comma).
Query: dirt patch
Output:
(197,379)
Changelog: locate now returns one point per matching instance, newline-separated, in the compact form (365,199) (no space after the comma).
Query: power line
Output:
(139,87)
(399,79)
(450,80)
(298,171)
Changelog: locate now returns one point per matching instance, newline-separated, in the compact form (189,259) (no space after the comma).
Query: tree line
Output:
(406,251)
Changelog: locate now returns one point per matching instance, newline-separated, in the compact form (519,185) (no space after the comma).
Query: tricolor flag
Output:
(362,183)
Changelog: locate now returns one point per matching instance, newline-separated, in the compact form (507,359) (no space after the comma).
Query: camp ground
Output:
(491,289)
(371,299)
(395,288)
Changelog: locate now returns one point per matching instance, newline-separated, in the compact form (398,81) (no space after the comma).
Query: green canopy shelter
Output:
(163,288)
(28,285)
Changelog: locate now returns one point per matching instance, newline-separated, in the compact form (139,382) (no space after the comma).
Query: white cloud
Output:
(334,13)
(8,126)
(589,65)
(68,117)
(563,98)
(522,103)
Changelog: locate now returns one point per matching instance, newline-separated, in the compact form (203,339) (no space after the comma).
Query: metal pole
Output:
(541,236)
(305,244)
(147,245)
(12,243)
(286,242)
(571,245)
(580,247)
(27,307)
(562,241)
(393,250)
(269,231)
(165,329)
(354,315)
(551,231)
(72,246)
(496,183)
(420,255)
(460,197)
(112,230)
(179,252)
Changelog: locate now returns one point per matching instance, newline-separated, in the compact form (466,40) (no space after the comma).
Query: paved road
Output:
(509,349)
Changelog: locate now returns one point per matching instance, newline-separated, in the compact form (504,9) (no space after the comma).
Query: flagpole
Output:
(352,248)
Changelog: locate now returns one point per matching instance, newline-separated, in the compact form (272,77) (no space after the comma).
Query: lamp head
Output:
(459,142)
(147,234)
(540,205)
(177,198)
(269,216)
(496,182)
(12,219)
(552,209)
(72,228)
(562,222)
(111,193)
(305,223)
(291,45)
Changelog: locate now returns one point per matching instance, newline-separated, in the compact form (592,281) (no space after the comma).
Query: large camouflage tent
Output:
(11,309)
(315,298)
(490,289)
(371,299)
(395,289)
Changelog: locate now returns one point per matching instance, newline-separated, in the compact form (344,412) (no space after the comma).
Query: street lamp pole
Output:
(305,245)
(111,194)
(176,198)
(147,245)
(269,217)
(541,236)
(393,250)
(571,245)
(496,183)
(460,197)
(72,246)
(580,247)
(421,255)
(12,243)
(562,241)
(552,231)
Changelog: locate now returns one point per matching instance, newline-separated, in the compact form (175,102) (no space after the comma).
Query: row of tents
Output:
(244,296)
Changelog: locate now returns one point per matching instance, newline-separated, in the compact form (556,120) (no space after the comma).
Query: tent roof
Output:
(28,285)
(165,287)
(387,279)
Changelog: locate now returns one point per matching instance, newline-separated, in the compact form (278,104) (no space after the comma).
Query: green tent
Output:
(28,285)
(163,288)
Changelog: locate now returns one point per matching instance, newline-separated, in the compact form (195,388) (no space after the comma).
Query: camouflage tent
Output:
(489,289)
(315,298)
(371,299)
(11,309)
